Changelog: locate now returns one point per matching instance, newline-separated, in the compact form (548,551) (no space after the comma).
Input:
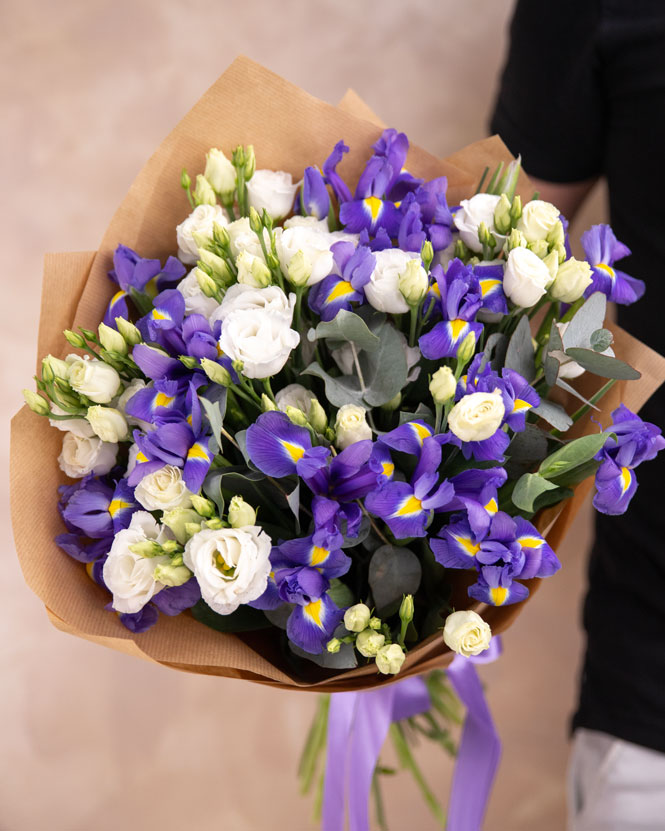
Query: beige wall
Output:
(95,740)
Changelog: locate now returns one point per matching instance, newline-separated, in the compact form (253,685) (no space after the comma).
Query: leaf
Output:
(529,446)
(603,365)
(393,572)
(215,411)
(344,659)
(519,355)
(550,364)
(577,475)
(279,616)
(495,351)
(340,594)
(363,533)
(346,326)
(384,370)
(553,497)
(212,488)
(293,500)
(601,340)
(588,318)
(528,488)
(244,619)
(572,455)
(422,412)
(553,414)
(564,385)
(342,390)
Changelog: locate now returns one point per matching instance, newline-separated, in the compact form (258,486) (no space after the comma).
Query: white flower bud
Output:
(571,281)
(129,332)
(413,282)
(171,575)
(203,192)
(241,513)
(369,641)
(96,380)
(252,271)
(467,633)
(108,423)
(389,659)
(299,269)
(443,385)
(351,426)
(357,617)
(526,277)
(60,369)
(111,339)
(36,402)
(177,520)
(220,172)
(216,372)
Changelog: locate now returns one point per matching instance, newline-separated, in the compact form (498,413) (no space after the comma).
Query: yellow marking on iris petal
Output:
(470,547)
(197,451)
(313,612)
(520,405)
(626,479)
(141,457)
(411,505)
(492,507)
(397,204)
(374,204)
(606,268)
(220,353)
(163,400)
(341,290)
(295,451)
(530,542)
(189,420)
(420,430)
(434,288)
(88,568)
(499,595)
(487,285)
(318,555)
(157,315)
(116,505)
(387,468)
(457,326)
(117,296)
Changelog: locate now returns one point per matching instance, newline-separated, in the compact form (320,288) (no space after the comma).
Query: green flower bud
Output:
(369,641)
(218,268)
(189,361)
(299,269)
(185,181)
(374,623)
(129,332)
(203,192)
(146,548)
(252,271)
(60,369)
(539,247)
(443,385)
(406,609)
(221,237)
(413,282)
(216,372)
(272,261)
(241,514)
(334,645)
(177,519)
(36,403)
(552,263)
(87,333)
(516,239)
(267,404)
(206,283)
(485,236)
(47,373)
(170,547)
(467,348)
(556,236)
(250,162)
(297,416)
(171,575)
(74,339)
(238,366)
(214,523)
(427,254)
(502,218)
(238,156)
(202,506)
(255,221)
(317,416)
(111,339)
(192,528)
(461,250)
(516,209)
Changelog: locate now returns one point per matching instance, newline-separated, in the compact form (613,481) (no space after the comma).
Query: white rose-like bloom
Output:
(467,633)
(480,208)
(382,291)
(294,395)
(200,221)
(84,454)
(273,190)
(351,426)
(311,222)
(477,416)
(572,279)
(537,220)
(163,489)
(260,338)
(79,426)
(231,565)
(369,641)
(241,298)
(526,277)
(242,238)
(389,659)
(196,302)
(357,617)
(568,368)
(96,380)
(108,423)
(315,246)
(129,576)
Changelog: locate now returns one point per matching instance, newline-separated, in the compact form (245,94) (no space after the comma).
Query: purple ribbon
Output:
(358,724)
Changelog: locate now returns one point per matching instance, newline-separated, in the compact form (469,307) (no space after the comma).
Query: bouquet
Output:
(320,430)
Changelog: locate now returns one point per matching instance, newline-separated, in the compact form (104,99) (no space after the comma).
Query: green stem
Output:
(407,761)
(573,310)
(439,415)
(378,802)
(268,388)
(316,742)
(412,329)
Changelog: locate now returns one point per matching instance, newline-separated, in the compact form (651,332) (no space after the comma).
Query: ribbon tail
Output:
(341,716)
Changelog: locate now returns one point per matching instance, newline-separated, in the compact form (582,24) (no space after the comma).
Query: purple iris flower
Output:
(339,290)
(162,324)
(460,301)
(476,491)
(173,443)
(508,549)
(490,280)
(602,249)
(139,621)
(411,236)
(280,448)
(426,216)
(84,507)
(314,195)
(84,549)
(636,441)
(332,177)
(176,599)
(408,437)
(407,507)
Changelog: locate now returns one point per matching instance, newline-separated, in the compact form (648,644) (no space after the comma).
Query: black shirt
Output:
(583,95)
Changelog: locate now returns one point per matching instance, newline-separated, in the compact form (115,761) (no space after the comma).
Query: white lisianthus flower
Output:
(369,641)
(260,338)
(163,489)
(272,190)
(315,248)
(467,633)
(129,576)
(480,208)
(389,659)
(245,298)
(311,222)
(252,271)
(538,220)
(351,426)
(108,423)
(85,454)
(96,380)
(572,279)
(477,416)
(357,617)
(79,426)
(383,291)
(196,302)
(200,222)
(231,565)
(526,277)
(242,238)
(294,395)
(220,172)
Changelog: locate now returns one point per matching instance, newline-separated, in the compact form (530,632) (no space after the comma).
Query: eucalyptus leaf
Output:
(495,351)
(553,414)
(244,619)
(279,616)
(601,340)
(588,318)
(423,412)
(564,385)
(384,370)
(361,536)
(212,488)
(553,497)
(344,659)
(572,455)
(340,594)
(293,500)
(550,363)
(346,326)
(215,411)
(520,355)
(528,446)
(577,475)
(528,488)
(603,365)
(393,572)
(342,390)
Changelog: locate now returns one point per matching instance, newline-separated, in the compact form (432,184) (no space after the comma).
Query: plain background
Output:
(94,739)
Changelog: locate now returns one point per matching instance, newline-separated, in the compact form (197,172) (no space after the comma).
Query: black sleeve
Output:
(549,106)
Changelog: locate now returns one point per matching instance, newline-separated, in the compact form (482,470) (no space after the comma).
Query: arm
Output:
(567,197)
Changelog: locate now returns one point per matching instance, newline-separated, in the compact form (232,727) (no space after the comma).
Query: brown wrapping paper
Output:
(289,129)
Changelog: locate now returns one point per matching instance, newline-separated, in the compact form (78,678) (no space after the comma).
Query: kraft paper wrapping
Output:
(289,129)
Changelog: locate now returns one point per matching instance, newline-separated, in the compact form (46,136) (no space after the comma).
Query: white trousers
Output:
(614,785)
